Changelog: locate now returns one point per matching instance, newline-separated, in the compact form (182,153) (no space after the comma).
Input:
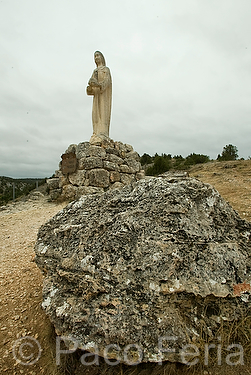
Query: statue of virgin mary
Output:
(100,86)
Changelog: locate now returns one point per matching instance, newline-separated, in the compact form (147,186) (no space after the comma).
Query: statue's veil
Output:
(102,57)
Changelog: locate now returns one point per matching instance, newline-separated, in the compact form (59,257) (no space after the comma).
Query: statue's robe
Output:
(102,100)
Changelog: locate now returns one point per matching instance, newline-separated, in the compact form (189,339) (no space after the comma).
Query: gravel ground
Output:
(21,287)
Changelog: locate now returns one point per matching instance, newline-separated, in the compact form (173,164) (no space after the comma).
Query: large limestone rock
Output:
(165,258)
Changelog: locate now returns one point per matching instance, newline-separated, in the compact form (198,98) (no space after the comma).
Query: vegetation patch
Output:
(14,187)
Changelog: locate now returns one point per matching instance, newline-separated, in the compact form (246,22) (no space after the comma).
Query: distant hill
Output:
(22,187)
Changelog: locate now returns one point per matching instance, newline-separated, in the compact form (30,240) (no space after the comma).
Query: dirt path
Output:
(21,287)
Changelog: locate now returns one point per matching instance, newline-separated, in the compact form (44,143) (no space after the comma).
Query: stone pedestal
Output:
(89,168)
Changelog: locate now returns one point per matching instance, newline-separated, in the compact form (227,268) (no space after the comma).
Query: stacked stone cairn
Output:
(94,168)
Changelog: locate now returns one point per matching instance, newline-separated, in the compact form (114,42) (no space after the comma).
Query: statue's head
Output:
(97,55)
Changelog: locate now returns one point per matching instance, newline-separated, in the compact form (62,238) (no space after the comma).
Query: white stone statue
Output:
(100,86)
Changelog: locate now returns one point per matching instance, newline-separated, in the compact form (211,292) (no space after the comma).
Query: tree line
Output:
(157,164)
(22,186)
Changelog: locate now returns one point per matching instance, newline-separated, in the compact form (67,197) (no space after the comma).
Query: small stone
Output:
(93,162)
(99,178)
(127,179)
(113,151)
(77,178)
(140,175)
(82,150)
(115,176)
(63,180)
(58,173)
(128,148)
(133,155)
(125,168)
(55,194)
(114,159)
(81,163)
(86,190)
(52,183)
(69,192)
(117,185)
(96,151)
(110,166)
(71,149)
(134,165)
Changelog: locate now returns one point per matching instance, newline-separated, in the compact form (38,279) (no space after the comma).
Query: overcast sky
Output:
(181,73)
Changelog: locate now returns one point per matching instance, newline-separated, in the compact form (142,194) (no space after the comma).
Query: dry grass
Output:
(233,181)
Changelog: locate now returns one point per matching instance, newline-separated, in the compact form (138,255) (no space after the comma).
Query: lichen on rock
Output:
(162,257)
(100,165)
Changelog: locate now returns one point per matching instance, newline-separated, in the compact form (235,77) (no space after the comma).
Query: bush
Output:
(161,164)
(229,152)
(196,159)
(146,159)
(178,162)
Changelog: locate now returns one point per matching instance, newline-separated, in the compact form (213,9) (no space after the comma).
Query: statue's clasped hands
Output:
(94,87)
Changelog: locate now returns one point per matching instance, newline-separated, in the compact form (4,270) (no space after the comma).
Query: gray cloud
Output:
(181,77)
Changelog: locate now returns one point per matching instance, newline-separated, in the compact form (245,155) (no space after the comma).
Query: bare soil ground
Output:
(21,281)
(21,285)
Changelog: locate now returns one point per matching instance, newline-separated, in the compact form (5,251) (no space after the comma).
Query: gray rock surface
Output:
(99,166)
(164,257)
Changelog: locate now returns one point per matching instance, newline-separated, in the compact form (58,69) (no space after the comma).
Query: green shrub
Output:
(196,159)
(178,162)
(146,159)
(160,165)
(229,152)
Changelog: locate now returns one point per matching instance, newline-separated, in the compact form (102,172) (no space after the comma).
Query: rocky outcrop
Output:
(165,258)
(89,168)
